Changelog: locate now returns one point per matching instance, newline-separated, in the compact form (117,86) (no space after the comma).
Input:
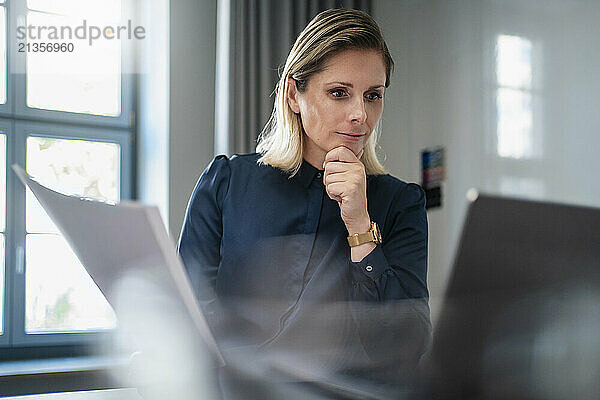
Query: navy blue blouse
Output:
(268,257)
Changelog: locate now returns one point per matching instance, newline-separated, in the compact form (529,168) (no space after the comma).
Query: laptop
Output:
(521,315)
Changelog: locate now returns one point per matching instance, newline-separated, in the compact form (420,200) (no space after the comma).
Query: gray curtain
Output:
(261,34)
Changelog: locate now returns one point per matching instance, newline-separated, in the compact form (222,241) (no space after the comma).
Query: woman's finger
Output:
(335,190)
(343,176)
(333,167)
(340,153)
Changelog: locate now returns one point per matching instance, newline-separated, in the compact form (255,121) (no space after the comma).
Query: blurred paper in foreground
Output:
(125,240)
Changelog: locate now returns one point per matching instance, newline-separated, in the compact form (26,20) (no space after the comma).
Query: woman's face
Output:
(341,104)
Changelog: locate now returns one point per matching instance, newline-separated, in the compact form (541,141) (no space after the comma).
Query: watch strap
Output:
(360,238)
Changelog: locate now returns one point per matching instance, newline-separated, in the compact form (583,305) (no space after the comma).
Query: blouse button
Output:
(319,175)
(369,268)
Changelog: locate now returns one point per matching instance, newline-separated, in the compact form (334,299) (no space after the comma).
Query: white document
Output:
(111,240)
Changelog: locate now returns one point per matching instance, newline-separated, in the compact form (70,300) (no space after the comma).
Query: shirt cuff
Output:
(371,267)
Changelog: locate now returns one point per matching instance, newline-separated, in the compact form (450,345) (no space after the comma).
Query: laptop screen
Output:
(520,305)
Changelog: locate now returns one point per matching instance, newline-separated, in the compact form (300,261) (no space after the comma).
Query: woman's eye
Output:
(374,96)
(338,92)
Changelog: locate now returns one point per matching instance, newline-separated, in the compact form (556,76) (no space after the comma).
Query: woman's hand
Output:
(346,182)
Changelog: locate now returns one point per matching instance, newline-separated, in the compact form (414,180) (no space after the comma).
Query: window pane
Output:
(515,124)
(77,7)
(1,283)
(2,182)
(77,167)
(514,62)
(86,80)
(2,55)
(37,220)
(59,294)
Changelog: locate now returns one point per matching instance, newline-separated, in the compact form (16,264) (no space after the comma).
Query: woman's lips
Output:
(352,136)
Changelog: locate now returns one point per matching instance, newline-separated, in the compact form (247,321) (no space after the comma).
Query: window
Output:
(515,147)
(515,98)
(66,117)
(2,227)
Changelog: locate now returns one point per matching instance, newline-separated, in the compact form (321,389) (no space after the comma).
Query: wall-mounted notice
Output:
(433,173)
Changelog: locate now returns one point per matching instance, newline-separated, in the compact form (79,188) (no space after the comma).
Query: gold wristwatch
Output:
(373,235)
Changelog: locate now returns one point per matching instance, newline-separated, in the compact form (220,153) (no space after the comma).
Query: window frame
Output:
(23,130)
(6,109)
(20,108)
(6,126)
(19,122)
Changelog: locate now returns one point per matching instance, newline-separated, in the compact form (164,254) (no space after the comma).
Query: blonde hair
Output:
(330,32)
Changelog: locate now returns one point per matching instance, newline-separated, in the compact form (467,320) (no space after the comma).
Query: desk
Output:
(110,394)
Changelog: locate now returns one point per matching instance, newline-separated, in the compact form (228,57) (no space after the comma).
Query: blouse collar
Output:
(306,174)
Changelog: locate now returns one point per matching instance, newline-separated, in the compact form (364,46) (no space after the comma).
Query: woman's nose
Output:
(358,114)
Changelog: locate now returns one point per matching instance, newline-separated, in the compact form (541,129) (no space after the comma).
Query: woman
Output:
(308,246)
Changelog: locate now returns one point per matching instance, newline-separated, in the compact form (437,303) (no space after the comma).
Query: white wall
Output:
(442,94)
(192,100)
